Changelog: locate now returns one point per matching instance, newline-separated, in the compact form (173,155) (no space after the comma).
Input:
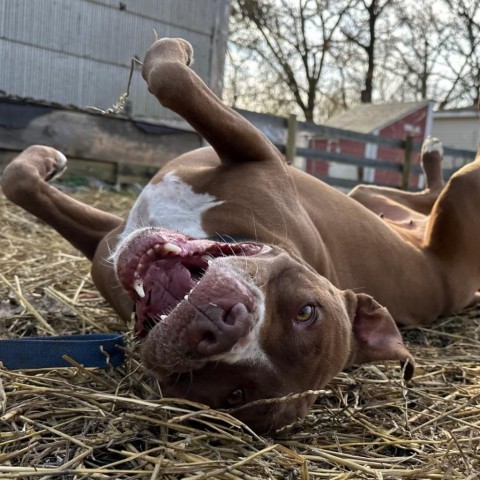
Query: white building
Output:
(457,128)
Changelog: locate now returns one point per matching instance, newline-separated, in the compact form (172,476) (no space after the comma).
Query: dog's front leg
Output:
(24,182)
(177,87)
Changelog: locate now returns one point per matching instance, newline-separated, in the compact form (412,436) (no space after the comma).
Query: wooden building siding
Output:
(414,124)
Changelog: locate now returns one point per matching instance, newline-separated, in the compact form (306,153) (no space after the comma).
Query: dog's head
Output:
(226,324)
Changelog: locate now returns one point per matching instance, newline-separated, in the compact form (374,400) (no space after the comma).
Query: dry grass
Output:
(75,423)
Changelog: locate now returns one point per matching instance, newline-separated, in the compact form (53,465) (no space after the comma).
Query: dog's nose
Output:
(215,330)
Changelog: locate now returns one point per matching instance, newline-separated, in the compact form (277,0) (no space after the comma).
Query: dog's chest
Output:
(171,204)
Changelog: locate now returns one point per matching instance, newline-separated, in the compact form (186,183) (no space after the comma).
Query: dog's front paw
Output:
(164,54)
(165,70)
(170,50)
(47,162)
(33,165)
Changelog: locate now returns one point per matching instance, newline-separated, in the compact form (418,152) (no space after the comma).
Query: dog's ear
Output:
(375,334)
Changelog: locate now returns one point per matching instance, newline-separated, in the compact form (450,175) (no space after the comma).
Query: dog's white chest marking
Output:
(170,204)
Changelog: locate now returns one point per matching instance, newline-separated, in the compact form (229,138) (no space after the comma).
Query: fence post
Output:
(407,162)
(291,147)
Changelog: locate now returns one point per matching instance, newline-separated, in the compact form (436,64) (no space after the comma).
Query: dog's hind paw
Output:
(432,144)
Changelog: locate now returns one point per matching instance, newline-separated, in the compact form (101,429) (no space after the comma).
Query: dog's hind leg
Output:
(25,182)
(431,162)
(452,235)
(177,87)
(381,199)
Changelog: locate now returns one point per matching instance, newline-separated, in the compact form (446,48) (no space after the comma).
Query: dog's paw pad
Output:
(56,165)
(61,160)
(188,50)
(61,164)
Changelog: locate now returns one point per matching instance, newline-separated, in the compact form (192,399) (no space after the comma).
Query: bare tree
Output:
(433,52)
(317,56)
(296,41)
(362,30)
(463,55)
(253,84)
(416,49)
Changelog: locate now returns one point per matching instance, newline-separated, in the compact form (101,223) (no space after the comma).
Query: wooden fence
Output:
(406,168)
(120,150)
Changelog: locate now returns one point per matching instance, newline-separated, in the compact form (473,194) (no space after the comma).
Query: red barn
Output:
(394,120)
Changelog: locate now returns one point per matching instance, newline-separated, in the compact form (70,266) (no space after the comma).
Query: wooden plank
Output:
(96,143)
(458,152)
(88,170)
(88,136)
(322,131)
(291,146)
(129,174)
(349,159)
(6,157)
(274,127)
(407,163)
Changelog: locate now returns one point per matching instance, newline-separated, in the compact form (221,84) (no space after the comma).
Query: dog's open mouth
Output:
(159,268)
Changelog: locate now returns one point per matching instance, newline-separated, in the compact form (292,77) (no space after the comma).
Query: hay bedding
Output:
(75,423)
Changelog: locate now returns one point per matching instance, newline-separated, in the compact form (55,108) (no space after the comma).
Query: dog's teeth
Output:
(207,258)
(157,247)
(185,297)
(163,317)
(170,247)
(138,287)
(133,316)
(150,252)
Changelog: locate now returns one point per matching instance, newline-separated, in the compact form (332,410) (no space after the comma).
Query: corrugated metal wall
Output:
(79,51)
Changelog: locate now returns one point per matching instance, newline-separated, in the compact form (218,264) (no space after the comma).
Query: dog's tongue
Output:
(166,282)
(158,267)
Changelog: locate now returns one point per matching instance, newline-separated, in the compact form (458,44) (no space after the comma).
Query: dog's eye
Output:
(306,314)
(236,398)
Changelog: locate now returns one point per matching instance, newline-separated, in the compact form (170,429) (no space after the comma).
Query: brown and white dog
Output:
(251,279)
